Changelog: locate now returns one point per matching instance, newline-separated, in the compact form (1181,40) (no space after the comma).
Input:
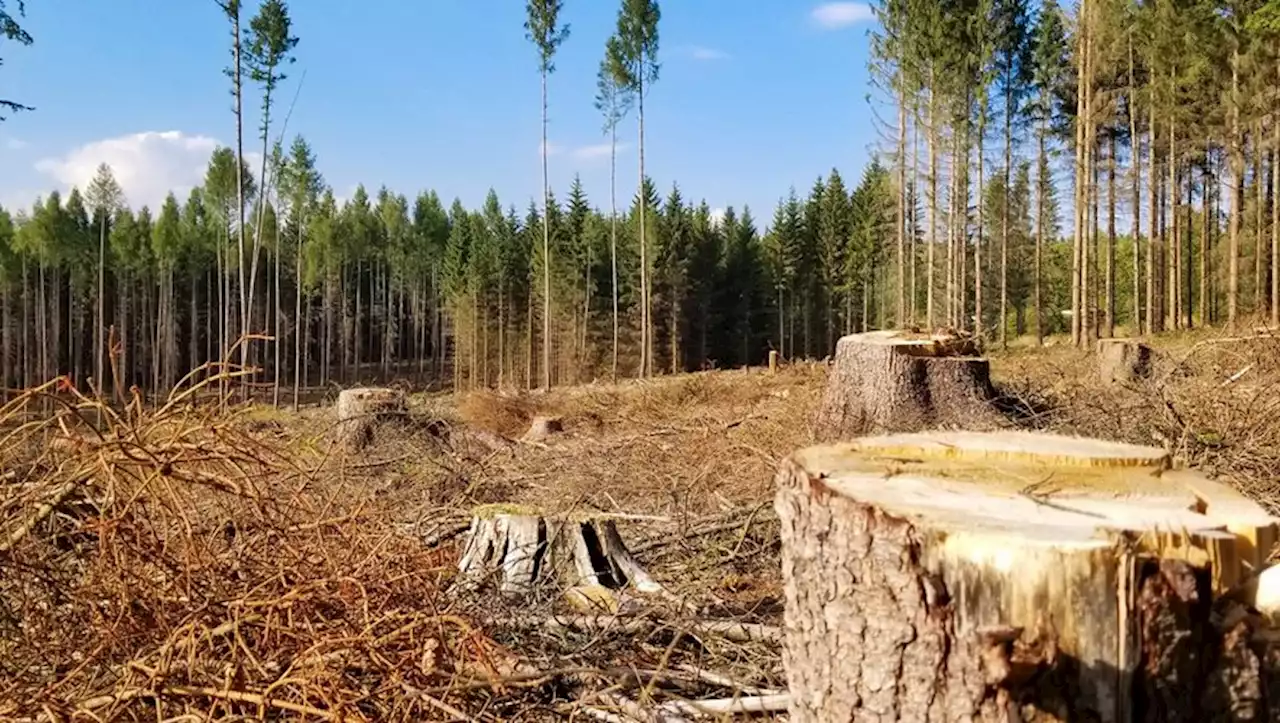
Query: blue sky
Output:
(443,94)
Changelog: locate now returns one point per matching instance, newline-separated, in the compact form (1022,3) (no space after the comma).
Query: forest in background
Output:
(1147,132)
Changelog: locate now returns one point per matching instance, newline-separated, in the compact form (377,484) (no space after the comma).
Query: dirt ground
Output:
(190,563)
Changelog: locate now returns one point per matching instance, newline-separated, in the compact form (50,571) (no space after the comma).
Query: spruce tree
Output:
(634,60)
(613,100)
(11,30)
(543,28)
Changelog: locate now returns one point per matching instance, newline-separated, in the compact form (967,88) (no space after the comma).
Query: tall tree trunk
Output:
(1237,170)
(100,325)
(1135,149)
(1275,220)
(1078,232)
(1205,263)
(646,310)
(546,247)
(1043,182)
(931,238)
(1153,243)
(1259,263)
(276,372)
(900,199)
(979,204)
(1004,213)
(613,234)
(1110,323)
(300,325)
(1175,240)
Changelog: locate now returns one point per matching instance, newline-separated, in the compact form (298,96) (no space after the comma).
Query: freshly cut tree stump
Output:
(517,548)
(948,576)
(360,411)
(900,381)
(1123,360)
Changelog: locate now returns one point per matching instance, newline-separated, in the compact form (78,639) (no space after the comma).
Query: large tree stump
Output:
(360,412)
(516,548)
(949,576)
(898,381)
(1123,360)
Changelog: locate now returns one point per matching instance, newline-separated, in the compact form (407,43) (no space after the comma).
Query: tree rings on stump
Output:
(1013,576)
(899,381)
(360,411)
(1123,360)
(517,548)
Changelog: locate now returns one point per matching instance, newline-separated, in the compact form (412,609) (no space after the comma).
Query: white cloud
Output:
(15,144)
(834,16)
(708,54)
(147,165)
(594,151)
(717,217)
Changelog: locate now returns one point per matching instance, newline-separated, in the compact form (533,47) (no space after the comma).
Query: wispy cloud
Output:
(15,144)
(703,53)
(594,151)
(551,149)
(837,15)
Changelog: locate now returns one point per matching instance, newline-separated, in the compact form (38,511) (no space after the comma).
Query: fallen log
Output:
(520,547)
(900,381)
(1014,576)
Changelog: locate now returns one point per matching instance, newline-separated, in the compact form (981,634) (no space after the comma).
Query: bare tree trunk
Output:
(299,323)
(646,344)
(1110,323)
(1259,263)
(900,200)
(931,239)
(1237,163)
(1078,236)
(1004,215)
(613,234)
(1275,220)
(1153,243)
(1205,262)
(1042,187)
(1135,146)
(1175,240)
(245,311)
(99,332)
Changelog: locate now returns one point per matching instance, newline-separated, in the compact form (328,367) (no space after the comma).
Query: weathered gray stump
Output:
(1123,360)
(361,411)
(517,548)
(543,427)
(1012,576)
(897,381)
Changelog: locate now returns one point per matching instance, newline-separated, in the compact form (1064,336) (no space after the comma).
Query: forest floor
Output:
(193,563)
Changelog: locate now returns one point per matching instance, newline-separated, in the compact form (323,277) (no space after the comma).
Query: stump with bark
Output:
(900,381)
(517,548)
(362,411)
(1018,576)
(1123,360)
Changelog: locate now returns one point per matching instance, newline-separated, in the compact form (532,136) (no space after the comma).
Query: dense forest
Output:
(1102,169)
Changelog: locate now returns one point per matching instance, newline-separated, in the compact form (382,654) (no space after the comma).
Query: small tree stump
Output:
(360,411)
(1012,576)
(1123,360)
(542,427)
(898,381)
(518,548)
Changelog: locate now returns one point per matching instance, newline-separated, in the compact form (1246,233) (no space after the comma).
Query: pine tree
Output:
(614,101)
(105,198)
(268,46)
(634,61)
(543,29)
(231,8)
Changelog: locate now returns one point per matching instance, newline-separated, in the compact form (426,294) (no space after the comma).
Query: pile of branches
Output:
(164,561)
(183,561)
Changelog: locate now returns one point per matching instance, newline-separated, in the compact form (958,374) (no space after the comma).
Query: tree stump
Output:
(361,411)
(1015,576)
(542,427)
(517,548)
(1123,360)
(899,381)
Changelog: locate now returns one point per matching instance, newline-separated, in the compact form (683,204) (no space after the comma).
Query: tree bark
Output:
(924,580)
(1237,163)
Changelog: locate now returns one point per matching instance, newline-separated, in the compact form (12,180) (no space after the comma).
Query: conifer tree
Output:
(614,101)
(634,60)
(543,28)
(105,198)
